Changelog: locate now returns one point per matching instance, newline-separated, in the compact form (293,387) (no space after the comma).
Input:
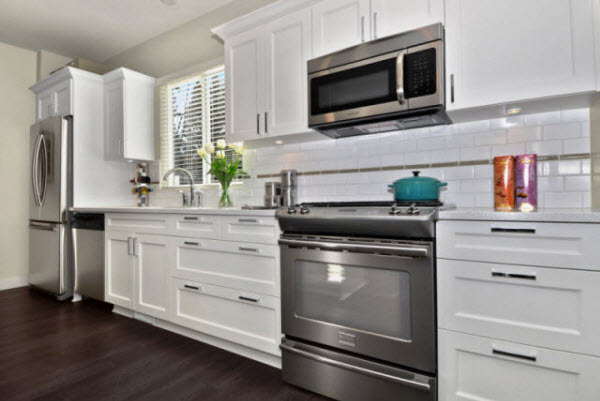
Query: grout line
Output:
(572,156)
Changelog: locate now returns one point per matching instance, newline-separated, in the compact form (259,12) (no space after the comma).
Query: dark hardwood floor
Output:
(83,352)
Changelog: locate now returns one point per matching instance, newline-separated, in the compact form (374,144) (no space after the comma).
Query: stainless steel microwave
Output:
(389,84)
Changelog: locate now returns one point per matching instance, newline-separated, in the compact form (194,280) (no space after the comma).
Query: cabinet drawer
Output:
(539,244)
(237,316)
(545,307)
(138,222)
(199,226)
(250,229)
(478,368)
(250,267)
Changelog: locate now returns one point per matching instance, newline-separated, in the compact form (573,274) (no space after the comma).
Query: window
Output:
(192,113)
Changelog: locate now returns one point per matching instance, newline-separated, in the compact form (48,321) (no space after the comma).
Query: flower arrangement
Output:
(219,166)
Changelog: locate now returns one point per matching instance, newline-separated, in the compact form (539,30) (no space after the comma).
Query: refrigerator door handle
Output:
(36,225)
(45,162)
(34,170)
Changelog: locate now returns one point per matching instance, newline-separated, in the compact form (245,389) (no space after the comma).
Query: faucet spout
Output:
(190,177)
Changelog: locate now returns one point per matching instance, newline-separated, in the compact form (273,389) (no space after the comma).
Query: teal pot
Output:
(417,189)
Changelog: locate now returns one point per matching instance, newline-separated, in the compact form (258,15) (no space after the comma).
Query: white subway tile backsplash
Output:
(476,186)
(475,153)
(561,131)
(497,137)
(508,149)
(568,116)
(545,148)
(524,134)
(577,145)
(552,117)
(431,143)
(461,172)
(569,167)
(417,158)
(578,183)
(563,199)
(550,184)
(444,156)
(485,171)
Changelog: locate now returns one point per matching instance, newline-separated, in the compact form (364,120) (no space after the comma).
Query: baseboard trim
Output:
(263,357)
(13,282)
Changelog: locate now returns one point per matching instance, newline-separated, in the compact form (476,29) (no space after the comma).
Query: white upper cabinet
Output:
(244,85)
(511,50)
(389,17)
(337,24)
(128,115)
(55,100)
(288,49)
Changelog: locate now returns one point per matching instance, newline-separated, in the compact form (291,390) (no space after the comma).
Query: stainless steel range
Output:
(358,300)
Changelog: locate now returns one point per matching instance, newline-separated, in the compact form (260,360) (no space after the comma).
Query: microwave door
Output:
(423,79)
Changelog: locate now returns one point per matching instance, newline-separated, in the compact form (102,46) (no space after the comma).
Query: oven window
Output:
(362,298)
(357,87)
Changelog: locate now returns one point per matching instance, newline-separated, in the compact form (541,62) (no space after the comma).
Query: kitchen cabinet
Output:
(337,24)
(513,50)
(389,17)
(55,100)
(480,368)
(266,79)
(128,115)
(119,269)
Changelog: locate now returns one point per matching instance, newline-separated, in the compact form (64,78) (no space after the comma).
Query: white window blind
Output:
(192,113)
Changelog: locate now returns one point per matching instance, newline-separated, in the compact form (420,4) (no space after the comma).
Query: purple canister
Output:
(526,183)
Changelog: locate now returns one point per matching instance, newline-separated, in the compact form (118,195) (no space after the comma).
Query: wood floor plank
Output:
(62,351)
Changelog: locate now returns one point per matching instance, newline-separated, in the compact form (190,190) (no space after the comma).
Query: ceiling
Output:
(93,29)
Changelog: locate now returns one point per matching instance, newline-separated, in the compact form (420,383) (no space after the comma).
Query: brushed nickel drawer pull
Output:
(191,287)
(243,248)
(247,299)
(513,230)
(248,220)
(191,243)
(515,275)
(530,357)
(190,218)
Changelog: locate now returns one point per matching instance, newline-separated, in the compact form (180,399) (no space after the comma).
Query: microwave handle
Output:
(400,77)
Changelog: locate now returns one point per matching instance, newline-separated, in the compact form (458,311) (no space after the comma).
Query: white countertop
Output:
(176,210)
(544,215)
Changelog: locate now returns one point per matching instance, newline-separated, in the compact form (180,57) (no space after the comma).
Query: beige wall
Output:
(17,113)
(190,44)
(48,62)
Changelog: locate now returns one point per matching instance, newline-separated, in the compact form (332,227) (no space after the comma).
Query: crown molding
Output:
(63,75)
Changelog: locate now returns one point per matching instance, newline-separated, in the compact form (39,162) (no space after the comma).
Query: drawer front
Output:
(245,266)
(263,230)
(241,317)
(538,244)
(138,222)
(198,226)
(479,368)
(545,307)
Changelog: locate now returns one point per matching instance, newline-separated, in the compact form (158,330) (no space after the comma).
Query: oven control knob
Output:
(291,209)
(413,209)
(394,210)
(304,210)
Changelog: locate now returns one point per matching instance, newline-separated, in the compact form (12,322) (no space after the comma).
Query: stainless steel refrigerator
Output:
(50,197)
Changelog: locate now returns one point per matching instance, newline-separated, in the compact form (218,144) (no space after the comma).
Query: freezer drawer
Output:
(48,265)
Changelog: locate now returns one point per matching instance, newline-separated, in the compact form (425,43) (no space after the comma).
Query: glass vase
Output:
(224,199)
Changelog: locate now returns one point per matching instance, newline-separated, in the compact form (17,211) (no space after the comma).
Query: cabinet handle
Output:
(375,25)
(247,220)
(266,122)
(245,249)
(190,218)
(528,357)
(514,275)
(362,28)
(257,123)
(129,245)
(192,243)
(242,298)
(513,230)
(451,88)
(191,287)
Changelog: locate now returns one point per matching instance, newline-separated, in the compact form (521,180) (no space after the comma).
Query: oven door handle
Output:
(356,369)
(414,252)
(400,78)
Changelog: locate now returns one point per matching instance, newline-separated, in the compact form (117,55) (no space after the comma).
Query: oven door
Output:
(370,298)
(361,89)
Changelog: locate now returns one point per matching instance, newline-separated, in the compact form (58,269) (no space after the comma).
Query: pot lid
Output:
(416,178)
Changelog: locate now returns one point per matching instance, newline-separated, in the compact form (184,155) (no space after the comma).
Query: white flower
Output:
(209,148)
(220,154)
(240,150)
(236,145)
(202,153)
(221,144)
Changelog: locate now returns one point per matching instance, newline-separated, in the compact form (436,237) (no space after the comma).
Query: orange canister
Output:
(504,183)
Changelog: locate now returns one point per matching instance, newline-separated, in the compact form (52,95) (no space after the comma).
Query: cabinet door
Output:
(46,105)
(337,24)
(244,58)
(288,50)
(503,51)
(62,94)
(389,17)
(113,120)
(480,368)
(119,275)
(153,256)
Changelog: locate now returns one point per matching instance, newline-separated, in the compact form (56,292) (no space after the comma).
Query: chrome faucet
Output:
(178,169)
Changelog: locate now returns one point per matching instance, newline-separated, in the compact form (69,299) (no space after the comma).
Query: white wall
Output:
(48,62)
(17,113)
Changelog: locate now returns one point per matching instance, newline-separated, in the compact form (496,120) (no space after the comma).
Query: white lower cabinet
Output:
(546,307)
(118,269)
(480,368)
(238,316)
(152,257)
